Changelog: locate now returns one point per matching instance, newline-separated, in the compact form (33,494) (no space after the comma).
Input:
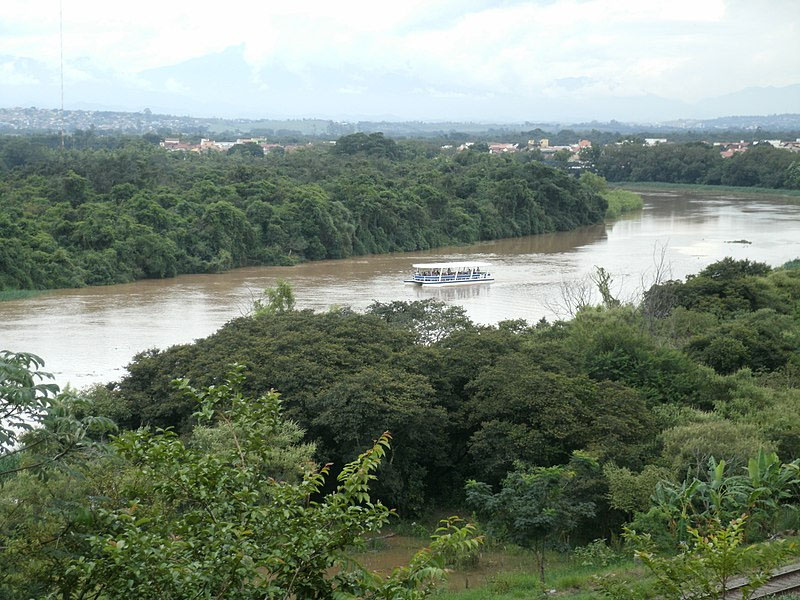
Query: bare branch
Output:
(574,296)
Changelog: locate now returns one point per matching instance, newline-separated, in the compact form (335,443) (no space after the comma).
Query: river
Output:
(88,335)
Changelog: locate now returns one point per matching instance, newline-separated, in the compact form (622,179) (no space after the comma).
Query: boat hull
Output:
(449,283)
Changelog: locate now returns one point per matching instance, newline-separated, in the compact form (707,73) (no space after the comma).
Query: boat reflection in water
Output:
(453,292)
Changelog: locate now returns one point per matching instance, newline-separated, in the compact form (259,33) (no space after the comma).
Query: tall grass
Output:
(18,294)
(621,201)
(711,190)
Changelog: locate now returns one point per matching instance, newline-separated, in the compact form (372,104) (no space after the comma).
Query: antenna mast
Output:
(61,50)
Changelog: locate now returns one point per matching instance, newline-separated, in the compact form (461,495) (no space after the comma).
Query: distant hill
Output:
(783,122)
(752,101)
(39,120)
(226,84)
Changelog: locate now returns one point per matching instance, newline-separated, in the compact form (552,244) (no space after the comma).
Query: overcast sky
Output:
(425,59)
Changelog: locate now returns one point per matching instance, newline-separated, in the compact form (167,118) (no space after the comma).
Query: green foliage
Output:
(39,425)
(714,557)
(280,299)
(595,182)
(761,340)
(674,444)
(631,492)
(536,507)
(792,264)
(698,163)
(728,268)
(210,520)
(231,425)
(357,407)
(689,447)
(596,554)
(521,412)
(91,217)
(603,280)
(430,319)
(247,149)
(373,144)
(621,201)
(733,315)
(765,490)
(46,516)
(466,401)
(779,419)
(24,398)
(792,180)
(460,407)
(615,345)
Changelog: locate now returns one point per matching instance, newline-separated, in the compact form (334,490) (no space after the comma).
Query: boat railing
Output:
(452,276)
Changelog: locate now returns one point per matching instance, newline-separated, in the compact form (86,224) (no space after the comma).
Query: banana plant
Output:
(772,487)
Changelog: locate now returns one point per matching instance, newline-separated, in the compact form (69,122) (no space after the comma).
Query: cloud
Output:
(174,86)
(352,90)
(681,49)
(12,76)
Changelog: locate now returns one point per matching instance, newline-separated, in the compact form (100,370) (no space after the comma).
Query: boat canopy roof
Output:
(452,265)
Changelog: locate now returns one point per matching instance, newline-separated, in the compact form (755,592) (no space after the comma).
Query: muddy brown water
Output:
(88,335)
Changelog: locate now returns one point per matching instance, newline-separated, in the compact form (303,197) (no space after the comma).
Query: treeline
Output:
(681,412)
(131,210)
(699,163)
(709,366)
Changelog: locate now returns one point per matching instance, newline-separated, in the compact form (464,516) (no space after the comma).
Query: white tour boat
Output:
(450,273)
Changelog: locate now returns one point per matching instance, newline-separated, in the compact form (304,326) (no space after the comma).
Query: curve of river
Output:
(88,335)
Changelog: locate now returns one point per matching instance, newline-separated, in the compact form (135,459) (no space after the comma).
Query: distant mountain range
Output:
(225,85)
(30,120)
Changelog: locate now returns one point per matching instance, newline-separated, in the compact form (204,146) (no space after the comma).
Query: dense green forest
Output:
(700,163)
(114,209)
(680,412)
(127,210)
(474,401)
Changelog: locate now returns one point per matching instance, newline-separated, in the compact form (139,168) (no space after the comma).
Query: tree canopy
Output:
(98,216)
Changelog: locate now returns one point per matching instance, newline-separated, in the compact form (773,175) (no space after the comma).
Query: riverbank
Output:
(792,196)
(6,295)
(618,200)
(621,201)
(163,312)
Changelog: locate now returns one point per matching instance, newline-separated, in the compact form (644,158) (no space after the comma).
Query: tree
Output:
(373,144)
(591,180)
(688,448)
(792,180)
(603,280)
(212,525)
(24,397)
(707,566)
(561,157)
(280,299)
(762,493)
(536,507)
(631,492)
(356,407)
(479,148)
(367,194)
(38,426)
(246,149)
(517,410)
(432,320)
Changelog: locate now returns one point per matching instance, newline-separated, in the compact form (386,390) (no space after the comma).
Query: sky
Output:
(492,61)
